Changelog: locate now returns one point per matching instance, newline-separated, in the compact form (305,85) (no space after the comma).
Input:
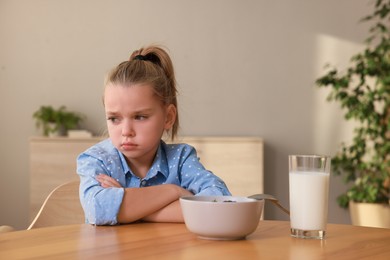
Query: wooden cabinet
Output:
(237,160)
(53,162)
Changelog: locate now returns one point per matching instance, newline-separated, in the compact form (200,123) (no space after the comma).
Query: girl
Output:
(134,175)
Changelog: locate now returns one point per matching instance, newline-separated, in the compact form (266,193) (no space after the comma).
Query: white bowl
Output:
(221,217)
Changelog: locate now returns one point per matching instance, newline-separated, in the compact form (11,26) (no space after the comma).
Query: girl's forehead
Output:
(131,94)
(144,89)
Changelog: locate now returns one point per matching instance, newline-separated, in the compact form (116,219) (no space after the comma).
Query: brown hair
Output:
(151,65)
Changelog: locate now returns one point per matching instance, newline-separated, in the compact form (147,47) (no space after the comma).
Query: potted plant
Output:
(56,120)
(363,90)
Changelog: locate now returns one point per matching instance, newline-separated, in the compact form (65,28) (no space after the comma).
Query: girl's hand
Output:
(107,181)
(184,192)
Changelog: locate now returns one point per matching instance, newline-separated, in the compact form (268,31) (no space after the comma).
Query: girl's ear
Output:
(170,117)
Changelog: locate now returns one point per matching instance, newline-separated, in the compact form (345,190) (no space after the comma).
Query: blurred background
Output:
(244,68)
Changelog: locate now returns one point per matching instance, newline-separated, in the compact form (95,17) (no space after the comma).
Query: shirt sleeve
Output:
(101,205)
(198,180)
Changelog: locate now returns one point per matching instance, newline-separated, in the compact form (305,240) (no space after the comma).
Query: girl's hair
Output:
(150,65)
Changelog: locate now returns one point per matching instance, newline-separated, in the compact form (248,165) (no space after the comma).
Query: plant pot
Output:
(370,214)
(49,130)
(56,131)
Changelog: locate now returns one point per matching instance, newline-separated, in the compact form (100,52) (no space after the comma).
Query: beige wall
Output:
(243,68)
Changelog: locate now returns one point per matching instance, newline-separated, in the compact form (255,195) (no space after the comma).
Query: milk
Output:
(309,200)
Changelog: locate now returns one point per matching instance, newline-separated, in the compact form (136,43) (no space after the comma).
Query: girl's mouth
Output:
(128,146)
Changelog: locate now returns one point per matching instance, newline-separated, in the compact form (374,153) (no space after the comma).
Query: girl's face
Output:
(136,120)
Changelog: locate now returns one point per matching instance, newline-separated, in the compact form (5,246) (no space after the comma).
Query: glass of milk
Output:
(309,188)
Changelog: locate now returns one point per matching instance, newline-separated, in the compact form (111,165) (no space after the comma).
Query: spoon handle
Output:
(280,206)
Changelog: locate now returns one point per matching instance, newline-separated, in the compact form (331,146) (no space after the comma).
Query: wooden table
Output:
(173,241)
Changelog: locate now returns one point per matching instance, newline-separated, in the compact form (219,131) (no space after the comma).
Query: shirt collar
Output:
(159,164)
(125,166)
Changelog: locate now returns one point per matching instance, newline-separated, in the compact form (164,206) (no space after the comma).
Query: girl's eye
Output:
(113,119)
(140,117)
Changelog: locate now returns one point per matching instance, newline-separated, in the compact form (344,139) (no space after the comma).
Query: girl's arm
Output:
(156,203)
(170,213)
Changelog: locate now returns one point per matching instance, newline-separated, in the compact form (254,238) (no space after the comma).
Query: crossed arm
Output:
(155,204)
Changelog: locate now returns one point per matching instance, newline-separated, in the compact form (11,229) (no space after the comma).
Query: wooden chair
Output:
(5,229)
(61,207)
(237,160)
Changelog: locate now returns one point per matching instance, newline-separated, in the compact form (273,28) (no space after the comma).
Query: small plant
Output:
(56,120)
(364,91)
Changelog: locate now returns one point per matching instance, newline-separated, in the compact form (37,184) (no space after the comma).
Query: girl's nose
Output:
(128,129)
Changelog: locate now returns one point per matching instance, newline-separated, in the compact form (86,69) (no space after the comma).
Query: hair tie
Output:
(140,57)
(148,57)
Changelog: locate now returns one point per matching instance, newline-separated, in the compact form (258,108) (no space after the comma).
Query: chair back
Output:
(61,207)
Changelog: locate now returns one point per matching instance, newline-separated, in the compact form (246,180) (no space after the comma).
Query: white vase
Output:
(59,130)
(370,214)
(51,127)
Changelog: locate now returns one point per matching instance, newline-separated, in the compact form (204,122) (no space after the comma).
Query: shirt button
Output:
(143,183)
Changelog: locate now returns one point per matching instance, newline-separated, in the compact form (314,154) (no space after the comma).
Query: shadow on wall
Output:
(273,184)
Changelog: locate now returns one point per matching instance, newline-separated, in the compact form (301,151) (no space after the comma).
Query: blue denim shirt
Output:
(174,164)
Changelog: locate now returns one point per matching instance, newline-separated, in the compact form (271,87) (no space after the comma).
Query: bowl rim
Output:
(219,199)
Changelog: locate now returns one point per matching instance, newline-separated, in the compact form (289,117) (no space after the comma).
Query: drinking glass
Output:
(309,188)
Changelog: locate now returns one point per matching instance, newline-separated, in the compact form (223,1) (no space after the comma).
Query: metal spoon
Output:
(270,198)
